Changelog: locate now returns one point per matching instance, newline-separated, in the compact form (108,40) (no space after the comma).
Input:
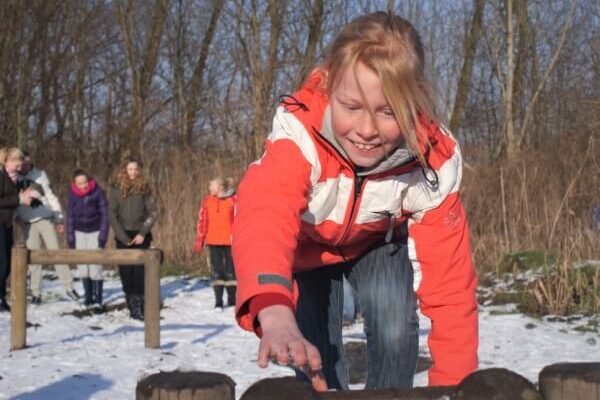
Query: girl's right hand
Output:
(282,341)
(25,197)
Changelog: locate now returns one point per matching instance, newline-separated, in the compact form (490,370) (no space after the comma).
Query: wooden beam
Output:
(71,256)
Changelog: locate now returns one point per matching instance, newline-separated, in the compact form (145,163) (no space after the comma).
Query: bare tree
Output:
(464,82)
(141,62)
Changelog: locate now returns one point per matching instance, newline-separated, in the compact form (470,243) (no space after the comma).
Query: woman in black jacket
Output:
(10,198)
(132,213)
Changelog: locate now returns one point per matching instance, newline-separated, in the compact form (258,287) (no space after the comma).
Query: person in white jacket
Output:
(42,220)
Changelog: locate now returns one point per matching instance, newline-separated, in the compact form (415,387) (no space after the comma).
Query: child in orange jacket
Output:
(215,218)
(359,180)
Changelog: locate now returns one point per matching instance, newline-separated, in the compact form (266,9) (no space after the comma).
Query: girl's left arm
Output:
(445,284)
(104,219)
(151,214)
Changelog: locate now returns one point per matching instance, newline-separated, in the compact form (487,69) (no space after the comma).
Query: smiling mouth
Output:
(364,146)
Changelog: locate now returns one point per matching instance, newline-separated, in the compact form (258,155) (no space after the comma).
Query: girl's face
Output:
(13,165)
(365,127)
(214,187)
(81,182)
(133,170)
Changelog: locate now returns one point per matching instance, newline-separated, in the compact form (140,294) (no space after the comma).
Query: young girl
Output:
(11,197)
(215,218)
(359,179)
(87,228)
(132,213)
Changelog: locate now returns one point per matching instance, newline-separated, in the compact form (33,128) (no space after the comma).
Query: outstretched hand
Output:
(282,341)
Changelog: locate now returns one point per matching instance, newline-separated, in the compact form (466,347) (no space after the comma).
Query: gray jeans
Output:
(36,233)
(383,280)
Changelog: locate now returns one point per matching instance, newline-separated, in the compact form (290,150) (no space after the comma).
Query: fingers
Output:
(317,378)
(313,357)
(264,353)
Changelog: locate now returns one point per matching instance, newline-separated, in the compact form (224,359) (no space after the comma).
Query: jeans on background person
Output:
(222,274)
(383,280)
(6,243)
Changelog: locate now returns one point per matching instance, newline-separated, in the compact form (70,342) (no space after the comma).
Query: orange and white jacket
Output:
(303,206)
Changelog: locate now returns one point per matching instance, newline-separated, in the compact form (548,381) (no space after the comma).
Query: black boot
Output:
(137,307)
(218,289)
(128,301)
(97,294)
(231,295)
(88,291)
(4,305)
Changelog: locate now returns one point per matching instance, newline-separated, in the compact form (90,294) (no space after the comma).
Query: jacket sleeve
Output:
(104,219)
(7,201)
(53,202)
(151,214)
(444,275)
(201,226)
(271,199)
(113,214)
(70,223)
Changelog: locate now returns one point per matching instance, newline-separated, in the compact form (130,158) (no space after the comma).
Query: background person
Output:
(87,228)
(41,223)
(132,213)
(215,219)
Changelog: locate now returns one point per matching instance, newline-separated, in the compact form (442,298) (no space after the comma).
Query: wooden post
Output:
(18,296)
(152,299)
(573,381)
(178,385)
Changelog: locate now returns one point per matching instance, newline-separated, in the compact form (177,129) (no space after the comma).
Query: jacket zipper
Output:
(358,186)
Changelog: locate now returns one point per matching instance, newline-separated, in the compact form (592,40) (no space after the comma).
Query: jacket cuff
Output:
(262,301)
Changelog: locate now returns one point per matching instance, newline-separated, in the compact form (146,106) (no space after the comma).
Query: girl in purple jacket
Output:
(87,228)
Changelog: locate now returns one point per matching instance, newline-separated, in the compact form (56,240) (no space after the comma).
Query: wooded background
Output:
(191,87)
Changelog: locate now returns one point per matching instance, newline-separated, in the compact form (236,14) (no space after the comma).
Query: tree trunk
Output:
(464,82)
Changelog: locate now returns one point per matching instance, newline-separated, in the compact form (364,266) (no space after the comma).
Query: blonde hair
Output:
(226,183)
(10,153)
(391,47)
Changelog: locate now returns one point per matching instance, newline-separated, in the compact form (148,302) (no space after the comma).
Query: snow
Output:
(103,356)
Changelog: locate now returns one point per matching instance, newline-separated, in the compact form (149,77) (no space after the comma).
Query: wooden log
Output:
(152,299)
(490,384)
(287,388)
(18,297)
(290,388)
(420,393)
(573,381)
(496,384)
(178,385)
(105,256)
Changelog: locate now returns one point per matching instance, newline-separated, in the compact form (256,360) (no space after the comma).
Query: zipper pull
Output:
(390,231)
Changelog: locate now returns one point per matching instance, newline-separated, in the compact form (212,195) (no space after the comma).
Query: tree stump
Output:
(496,384)
(280,388)
(573,381)
(179,385)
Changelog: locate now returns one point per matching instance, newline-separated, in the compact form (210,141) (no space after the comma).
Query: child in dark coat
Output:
(87,228)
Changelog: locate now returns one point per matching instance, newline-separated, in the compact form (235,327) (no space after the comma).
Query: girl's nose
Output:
(367,129)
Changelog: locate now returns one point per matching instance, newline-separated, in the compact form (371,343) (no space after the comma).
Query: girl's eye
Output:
(388,113)
(351,107)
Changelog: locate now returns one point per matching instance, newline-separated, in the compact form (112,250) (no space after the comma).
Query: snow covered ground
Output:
(103,357)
